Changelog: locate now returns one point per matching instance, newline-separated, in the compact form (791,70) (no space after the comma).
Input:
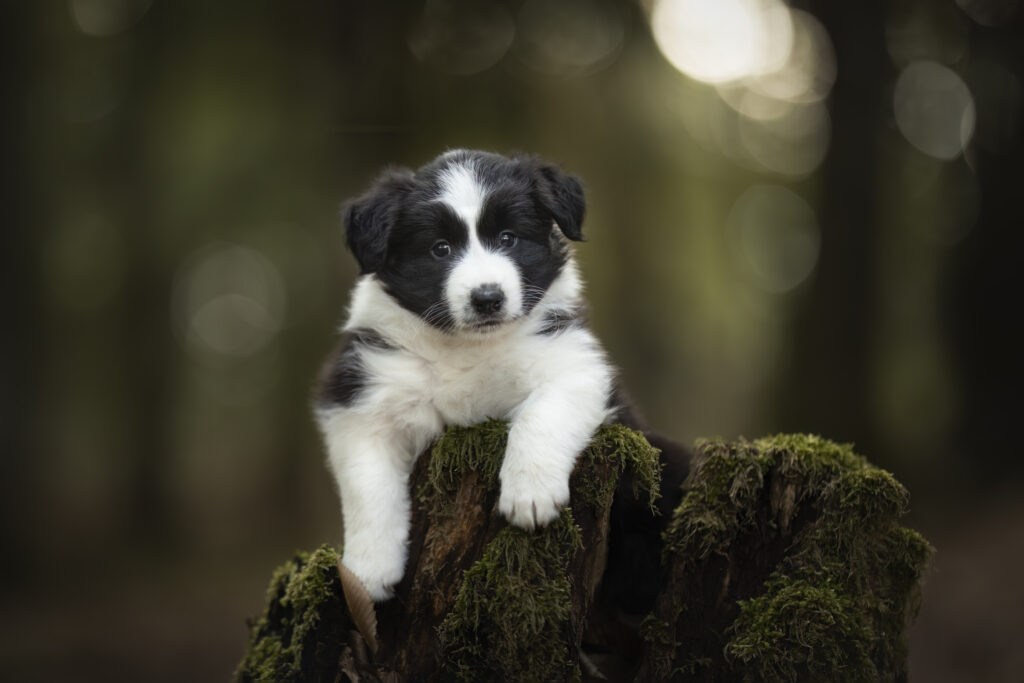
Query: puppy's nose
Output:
(487,299)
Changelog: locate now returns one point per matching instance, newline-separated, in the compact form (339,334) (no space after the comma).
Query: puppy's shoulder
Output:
(561,342)
(344,377)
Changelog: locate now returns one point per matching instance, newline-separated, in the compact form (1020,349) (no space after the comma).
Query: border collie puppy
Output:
(468,307)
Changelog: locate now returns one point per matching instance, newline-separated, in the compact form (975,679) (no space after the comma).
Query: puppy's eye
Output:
(507,239)
(441,249)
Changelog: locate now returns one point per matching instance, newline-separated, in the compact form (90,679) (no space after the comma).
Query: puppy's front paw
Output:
(379,590)
(378,578)
(530,501)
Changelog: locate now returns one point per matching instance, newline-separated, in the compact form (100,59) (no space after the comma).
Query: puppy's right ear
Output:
(368,220)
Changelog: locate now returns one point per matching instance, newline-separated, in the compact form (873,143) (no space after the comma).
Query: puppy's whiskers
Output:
(438,316)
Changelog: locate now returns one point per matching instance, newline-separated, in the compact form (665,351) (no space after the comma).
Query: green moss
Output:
(480,449)
(459,451)
(629,453)
(837,605)
(655,630)
(300,630)
(805,454)
(802,630)
(510,620)
(720,499)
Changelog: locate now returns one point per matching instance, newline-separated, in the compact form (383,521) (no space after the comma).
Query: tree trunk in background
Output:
(784,561)
(982,286)
(832,346)
(19,379)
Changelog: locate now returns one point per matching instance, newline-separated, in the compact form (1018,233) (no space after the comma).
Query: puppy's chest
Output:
(468,389)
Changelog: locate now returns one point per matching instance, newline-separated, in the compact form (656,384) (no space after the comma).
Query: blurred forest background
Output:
(802,216)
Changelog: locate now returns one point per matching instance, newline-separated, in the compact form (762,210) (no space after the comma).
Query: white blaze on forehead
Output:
(476,266)
(464,193)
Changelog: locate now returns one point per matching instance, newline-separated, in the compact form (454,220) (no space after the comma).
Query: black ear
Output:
(562,195)
(368,220)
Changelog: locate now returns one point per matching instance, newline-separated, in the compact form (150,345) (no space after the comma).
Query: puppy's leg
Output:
(372,471)
(548,432)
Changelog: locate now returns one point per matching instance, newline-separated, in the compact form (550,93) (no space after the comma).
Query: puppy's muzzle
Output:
(487,300)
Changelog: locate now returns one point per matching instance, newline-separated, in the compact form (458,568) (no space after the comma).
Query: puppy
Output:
(468,307)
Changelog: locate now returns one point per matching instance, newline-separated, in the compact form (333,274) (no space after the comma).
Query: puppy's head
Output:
(470,241)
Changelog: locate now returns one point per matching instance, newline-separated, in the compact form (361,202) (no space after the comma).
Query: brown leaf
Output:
(360,606)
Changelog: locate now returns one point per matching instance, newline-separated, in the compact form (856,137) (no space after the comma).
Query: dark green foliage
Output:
(836,604)
(303,629)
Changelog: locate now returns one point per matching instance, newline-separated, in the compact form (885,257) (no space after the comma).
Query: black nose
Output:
(487,299)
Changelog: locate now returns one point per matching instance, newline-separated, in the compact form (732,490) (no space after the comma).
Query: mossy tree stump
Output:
(786,563)
(783,558)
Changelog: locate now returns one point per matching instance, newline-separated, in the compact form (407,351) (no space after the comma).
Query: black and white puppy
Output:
(468,307)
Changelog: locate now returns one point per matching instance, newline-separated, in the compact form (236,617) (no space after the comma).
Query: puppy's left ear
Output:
(562,195)
(368,220)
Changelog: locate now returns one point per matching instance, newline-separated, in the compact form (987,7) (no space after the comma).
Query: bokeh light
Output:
(771,65)
(462,38)
(809,72)
(776,235)
(570,37)
(793,144)
(934,109)
(229,301)
(989,12)
(916,31)
(723,41)
(102,18)
(805,77)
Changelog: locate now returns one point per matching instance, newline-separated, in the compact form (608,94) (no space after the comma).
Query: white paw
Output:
(532,501)
(377,575)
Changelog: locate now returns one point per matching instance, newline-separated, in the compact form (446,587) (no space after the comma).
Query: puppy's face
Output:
(469,242)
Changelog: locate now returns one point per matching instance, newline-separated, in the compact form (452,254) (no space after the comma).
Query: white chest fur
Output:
(465,383)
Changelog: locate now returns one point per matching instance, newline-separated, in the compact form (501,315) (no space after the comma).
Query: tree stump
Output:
(783,561)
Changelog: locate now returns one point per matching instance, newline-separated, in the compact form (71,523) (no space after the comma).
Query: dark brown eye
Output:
(507,240)
(441,249)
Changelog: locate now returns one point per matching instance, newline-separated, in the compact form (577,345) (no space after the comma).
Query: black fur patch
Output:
(344,377)
(557,322)
(368,219)
(370,339)
(538,258)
